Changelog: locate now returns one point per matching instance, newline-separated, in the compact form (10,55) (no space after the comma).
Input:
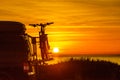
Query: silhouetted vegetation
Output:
(83,69)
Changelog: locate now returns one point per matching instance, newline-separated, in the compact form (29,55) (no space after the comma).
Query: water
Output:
(113,59)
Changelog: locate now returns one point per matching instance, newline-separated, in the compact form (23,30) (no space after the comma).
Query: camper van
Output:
(15,52)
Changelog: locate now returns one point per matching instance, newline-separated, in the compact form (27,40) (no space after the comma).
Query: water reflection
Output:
(112,59)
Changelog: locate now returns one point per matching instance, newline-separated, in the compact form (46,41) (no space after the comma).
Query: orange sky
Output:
(80,26)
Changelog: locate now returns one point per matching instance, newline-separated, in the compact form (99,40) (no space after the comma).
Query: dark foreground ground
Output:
(83,69)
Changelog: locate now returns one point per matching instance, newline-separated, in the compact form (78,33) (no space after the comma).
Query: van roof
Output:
(12,27)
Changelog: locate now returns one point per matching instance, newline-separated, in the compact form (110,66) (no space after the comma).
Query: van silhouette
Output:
(14,52)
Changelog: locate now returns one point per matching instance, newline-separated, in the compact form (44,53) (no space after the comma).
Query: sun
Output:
(55,50)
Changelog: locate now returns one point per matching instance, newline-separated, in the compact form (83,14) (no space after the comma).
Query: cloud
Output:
(69,12)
